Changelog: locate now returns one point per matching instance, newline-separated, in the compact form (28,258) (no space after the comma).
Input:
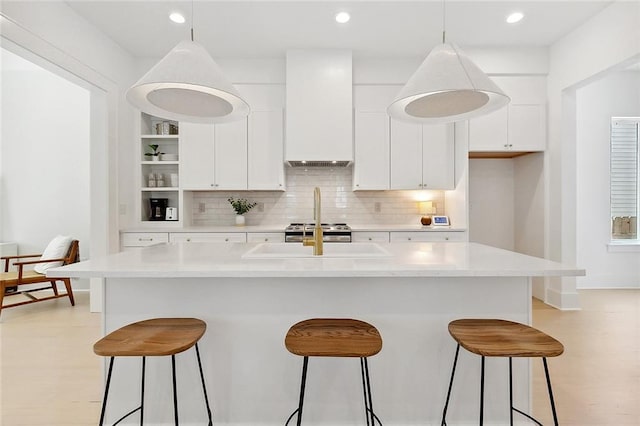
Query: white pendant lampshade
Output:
(447,87)
(188,85)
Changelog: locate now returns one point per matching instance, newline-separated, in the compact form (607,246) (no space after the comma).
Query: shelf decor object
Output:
(240,206)
(188,85)
(447,87)
(426,210)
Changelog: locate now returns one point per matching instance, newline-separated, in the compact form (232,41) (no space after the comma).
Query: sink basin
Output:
(332,250)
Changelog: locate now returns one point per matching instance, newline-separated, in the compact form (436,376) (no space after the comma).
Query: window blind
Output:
(625,134)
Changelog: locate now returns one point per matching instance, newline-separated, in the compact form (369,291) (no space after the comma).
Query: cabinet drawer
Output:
(436,236)
(143,239)
(265,237)
(208,237)
(376,237)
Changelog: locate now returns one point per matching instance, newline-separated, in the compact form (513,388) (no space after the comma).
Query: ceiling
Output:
(377,28)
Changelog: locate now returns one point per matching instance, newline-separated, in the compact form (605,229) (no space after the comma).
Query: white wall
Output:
(616,95)
(45,161)
(491,202)
(608,40)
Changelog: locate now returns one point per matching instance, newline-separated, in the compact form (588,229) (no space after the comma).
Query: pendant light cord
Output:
(444,15)
(191,20)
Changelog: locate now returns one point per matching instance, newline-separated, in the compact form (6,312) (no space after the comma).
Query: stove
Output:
(331,232)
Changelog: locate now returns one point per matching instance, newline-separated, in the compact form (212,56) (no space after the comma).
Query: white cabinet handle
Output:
(446,238)
(409,238)
(370,239)
(266,239)
(145,239)
(188,239)
(226,239)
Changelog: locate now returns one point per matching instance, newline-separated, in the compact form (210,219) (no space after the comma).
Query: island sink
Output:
(289,250)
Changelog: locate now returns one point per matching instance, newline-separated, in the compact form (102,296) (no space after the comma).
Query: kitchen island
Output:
(250,294)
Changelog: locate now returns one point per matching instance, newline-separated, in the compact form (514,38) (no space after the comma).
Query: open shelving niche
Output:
(168,144)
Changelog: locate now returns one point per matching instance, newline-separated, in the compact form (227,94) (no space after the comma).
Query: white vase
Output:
(239,220)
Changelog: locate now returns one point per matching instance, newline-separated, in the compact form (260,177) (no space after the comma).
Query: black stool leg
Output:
(553,405)
(453,373)
(364,392)
(175,393)
(204,387)
(106,392)
(482,392)
(510,391)
(373,415)
(142,392)
(305,363)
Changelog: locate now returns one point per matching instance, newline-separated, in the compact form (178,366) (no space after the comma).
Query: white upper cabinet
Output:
(230,157)
(518,127)
(422,156)
(196,155)
(371,168)
(372,133)
(241,155)
(266,161)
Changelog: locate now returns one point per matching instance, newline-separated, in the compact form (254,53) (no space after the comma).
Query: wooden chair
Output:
(23,277)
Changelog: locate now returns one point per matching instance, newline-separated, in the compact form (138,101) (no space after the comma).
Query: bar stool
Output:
(153,337)
(501,338)
(335,337)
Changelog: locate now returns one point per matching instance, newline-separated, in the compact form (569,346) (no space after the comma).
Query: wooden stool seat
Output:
(153,337)
(333,337)
(501,338)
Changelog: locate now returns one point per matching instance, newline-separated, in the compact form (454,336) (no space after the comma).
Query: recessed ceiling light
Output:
(177,18)
(343,17)
(515,17)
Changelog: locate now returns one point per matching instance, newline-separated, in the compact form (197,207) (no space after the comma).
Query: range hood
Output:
(319,123)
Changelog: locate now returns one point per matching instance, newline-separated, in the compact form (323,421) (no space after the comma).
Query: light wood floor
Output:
(50,376)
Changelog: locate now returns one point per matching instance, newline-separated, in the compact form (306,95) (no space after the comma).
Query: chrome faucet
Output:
(316,240)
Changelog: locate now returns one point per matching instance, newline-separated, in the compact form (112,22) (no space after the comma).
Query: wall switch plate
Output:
(376,207)
(260,207)
(201,207)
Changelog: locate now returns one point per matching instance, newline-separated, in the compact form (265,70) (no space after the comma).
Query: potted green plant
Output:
(155,154)
(240,206)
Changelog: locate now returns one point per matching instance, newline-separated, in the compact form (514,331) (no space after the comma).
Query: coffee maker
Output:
(158,208)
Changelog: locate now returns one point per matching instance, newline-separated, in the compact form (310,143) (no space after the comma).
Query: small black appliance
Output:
(158,208)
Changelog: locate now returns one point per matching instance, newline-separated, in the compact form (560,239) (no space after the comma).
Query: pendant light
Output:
(188,85)
(447,87)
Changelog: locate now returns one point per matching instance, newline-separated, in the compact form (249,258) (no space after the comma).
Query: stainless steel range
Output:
(331,232)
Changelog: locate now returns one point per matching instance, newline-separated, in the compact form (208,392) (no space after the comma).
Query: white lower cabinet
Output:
(426,236)
(137,240)
(208,237)
(374,237)
(265,237)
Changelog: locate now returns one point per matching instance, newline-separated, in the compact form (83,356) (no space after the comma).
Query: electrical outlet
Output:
(376,207)
(201,207)
(260,207)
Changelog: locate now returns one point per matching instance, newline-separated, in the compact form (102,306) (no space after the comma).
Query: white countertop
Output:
(204,260)
(280,228)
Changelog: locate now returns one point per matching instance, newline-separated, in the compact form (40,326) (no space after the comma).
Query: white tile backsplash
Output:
(339,202)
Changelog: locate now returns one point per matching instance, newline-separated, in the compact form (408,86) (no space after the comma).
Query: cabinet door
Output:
(231,155)
(426,236)
(196,156)
(371,168)
(265,146)
(377,237)
(208,237)
(489,132)
(527,130)
(265,237)
(438,161)
(406,155)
